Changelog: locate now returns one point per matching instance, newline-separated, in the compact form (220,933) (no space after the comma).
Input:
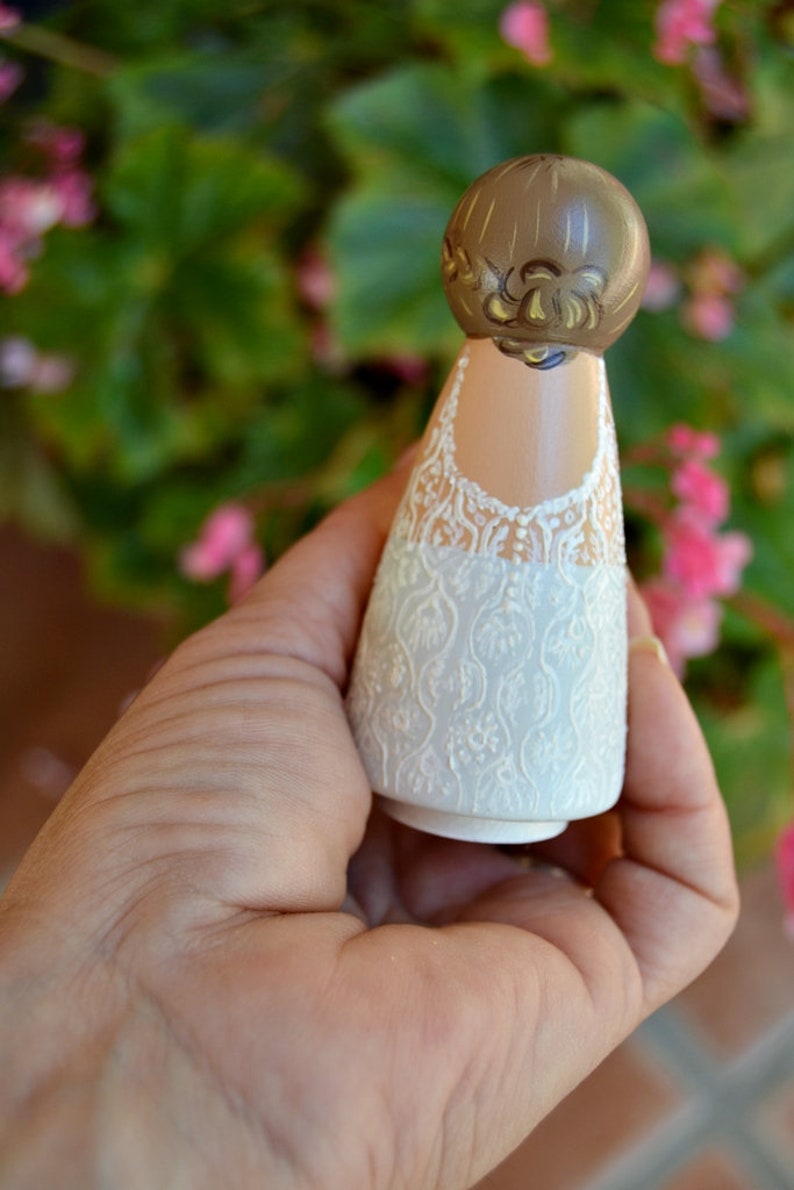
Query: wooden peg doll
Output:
(488,694)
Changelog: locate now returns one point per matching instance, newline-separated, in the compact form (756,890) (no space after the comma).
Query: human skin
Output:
(200,989)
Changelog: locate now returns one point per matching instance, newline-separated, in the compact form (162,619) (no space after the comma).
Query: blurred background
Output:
(219,242)
(221,313)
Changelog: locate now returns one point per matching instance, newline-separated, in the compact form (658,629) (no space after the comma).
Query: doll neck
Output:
(527,436)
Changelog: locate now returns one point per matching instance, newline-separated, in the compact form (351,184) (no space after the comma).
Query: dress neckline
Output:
(554,504)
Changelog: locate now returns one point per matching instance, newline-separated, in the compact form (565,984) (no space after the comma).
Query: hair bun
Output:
(545,254)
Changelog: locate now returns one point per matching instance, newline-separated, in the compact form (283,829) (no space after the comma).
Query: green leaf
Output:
(749,736)
(601,47)
(415,140)
(760,167)
(680,187)
(767,518)
(182,192)
(208,91)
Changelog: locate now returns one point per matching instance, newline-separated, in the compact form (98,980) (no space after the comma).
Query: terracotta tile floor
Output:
(701,1098)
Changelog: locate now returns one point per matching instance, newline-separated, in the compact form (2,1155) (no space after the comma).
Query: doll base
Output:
(475,830)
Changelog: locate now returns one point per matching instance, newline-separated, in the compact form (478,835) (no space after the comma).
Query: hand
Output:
(191,995)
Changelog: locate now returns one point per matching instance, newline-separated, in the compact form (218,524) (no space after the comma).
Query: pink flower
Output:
(225,534)
(724,97)
(699,564)
(662,289)
(73,189)
(410,369)
(684,440)
(784,861)
(709,316)
(246,569)
(687,628)
(680,24)
(315,278)
(62,145)
(703,563)
(29,207)
(785,864)
(9,18)
(11,75)
(700,489)
(18,361)
(51,374)
(13,269)
(714,273)
(525,25)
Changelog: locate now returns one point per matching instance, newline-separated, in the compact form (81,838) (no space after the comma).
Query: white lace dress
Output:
(489,686)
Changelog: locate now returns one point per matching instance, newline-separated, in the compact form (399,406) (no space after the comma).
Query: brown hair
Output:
(545,254)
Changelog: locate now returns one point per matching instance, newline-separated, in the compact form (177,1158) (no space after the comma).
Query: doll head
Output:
(545,255)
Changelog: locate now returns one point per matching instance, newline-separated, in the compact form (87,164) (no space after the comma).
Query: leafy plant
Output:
(246,309)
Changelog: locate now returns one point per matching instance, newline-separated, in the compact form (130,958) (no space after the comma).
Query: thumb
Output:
(234,773)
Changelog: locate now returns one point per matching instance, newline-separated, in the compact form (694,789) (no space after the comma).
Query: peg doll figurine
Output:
(488,694)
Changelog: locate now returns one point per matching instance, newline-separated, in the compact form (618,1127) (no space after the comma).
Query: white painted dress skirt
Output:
(488,695)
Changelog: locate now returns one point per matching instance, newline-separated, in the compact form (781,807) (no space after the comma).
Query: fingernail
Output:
(650,644)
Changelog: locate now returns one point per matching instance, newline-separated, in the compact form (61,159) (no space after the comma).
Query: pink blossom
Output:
(724,97)
(51,374)
(702,562)
(700,489)
(713,272)
(9,18)
(663,287)
(784,861)
(684,440)
(411,369)
(225,534)
(525,26)
(73,189)
(11,75)
(246,569)
(709,316)
(18,360)
(61,144)
(29,207)
(315,278)
(325,347)
(687,628)
(681,24)
(13,269)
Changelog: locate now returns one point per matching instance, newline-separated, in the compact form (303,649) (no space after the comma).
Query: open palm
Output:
(199,987)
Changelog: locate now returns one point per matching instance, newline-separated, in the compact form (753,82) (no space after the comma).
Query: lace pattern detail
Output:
(490,688)
(441,506)
(490,678)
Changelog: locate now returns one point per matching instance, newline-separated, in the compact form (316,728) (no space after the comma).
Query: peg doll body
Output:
(488,694)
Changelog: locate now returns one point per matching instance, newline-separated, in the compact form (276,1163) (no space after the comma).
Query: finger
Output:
(311,603)
(673,892)
(436,877)
(638,617)
(584,848)
(234,771)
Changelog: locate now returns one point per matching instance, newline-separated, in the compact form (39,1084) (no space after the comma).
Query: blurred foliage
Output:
(228,140)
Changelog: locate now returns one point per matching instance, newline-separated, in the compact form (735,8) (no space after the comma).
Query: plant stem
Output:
(768,617)
(57,47)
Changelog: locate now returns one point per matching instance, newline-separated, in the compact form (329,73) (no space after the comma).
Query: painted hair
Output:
(545,255)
